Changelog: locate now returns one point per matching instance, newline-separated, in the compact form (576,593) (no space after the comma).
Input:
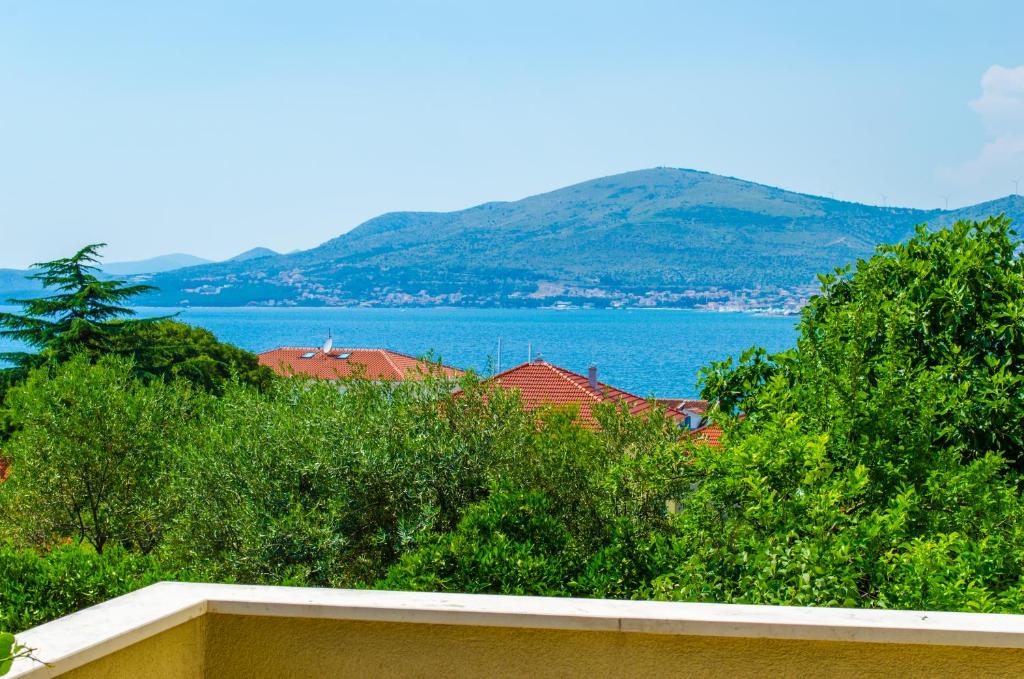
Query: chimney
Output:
(592,378)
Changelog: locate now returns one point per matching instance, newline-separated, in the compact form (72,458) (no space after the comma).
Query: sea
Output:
(650,352)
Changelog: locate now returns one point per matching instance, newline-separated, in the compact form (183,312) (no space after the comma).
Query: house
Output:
(693,408)
(709,434)
(381,365)
(541,383)
(702,430)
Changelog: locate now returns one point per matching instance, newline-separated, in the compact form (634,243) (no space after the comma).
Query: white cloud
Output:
(1001,110)
(1001,104)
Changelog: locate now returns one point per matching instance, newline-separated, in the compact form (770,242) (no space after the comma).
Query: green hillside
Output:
(664,237)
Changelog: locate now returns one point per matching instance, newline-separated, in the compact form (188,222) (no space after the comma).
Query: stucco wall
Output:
(190,631)
(177,653)
(255,647)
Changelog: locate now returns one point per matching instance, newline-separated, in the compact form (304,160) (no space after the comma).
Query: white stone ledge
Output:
(101,630)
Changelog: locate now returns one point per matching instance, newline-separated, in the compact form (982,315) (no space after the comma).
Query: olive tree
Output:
(93,454)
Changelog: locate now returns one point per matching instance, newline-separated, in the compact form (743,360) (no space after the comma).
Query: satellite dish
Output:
(328,344)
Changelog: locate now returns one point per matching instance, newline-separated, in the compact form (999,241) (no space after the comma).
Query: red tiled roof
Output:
(540,383)
(695,405)
(709,434)
(373,364)
(5,468)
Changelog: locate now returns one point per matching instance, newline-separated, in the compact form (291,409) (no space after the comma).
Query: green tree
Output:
(87,316)
(573,515)
(511,543)
(313,484)
(169,350)
(37,586)
(878,462)
(84,315)
(943,312)
(93,455)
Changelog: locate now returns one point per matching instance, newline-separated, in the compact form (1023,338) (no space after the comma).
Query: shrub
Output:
(877,464)
(36,587)
(93,455)
(315,484)
(511,543)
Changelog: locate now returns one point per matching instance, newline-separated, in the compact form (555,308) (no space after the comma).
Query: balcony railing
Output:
(174,630)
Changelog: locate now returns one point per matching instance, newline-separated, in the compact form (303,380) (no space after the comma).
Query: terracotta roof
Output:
(374,364)
(5,468)
(540,383)
(709,434)
(695,405)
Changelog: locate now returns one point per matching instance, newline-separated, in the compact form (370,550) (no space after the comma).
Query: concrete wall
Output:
(179,631)
(254,647)
(178,653)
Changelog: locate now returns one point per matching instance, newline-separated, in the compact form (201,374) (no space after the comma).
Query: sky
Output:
(212,127)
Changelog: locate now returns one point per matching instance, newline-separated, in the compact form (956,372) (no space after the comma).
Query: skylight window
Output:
(343,355)
(308,354)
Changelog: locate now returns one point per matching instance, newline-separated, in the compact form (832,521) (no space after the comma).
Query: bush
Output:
(511,543)
(877,464)
(93,455)
(36,587)
(168,350)
(318,485)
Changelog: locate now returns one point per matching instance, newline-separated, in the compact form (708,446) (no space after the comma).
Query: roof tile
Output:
(709,434)
(540,383)
(374,364)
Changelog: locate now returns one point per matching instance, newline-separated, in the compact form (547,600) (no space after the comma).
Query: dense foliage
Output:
(169,350)
(875,464)
(878,463)
(94,452)
(84,317)
(39,586)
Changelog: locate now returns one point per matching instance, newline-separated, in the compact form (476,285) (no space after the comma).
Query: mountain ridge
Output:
(254,253)
(660,237)
(657,237)
(158,264)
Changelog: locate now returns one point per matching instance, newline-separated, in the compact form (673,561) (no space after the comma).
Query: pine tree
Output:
(84,315)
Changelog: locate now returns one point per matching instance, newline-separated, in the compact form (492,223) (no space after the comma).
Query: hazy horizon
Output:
(210,130)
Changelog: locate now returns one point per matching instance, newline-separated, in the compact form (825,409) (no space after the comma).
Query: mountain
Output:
(659,237)
(255,253)
(14,284)
(153,265)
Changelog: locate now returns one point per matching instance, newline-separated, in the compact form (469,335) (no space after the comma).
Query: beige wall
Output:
(177,653)
(253,647)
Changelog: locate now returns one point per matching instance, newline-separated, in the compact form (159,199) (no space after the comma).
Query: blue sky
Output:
(212,127)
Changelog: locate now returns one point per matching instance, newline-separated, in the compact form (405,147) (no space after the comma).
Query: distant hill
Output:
(255,253)
(154,264)
(13,283)
(659,237)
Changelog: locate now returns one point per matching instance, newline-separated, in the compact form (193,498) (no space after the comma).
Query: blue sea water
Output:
(648,352)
